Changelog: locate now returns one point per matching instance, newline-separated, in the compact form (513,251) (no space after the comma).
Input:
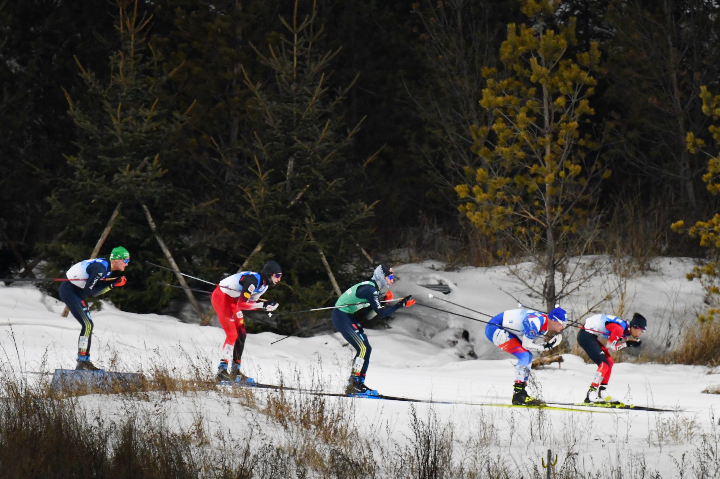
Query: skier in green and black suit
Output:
(367,294)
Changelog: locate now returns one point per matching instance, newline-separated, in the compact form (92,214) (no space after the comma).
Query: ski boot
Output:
(356,387)
(84,364)
(595,395)
(222,375)
(521,398)
(239,378)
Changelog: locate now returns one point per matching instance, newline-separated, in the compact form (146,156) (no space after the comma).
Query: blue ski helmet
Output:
(558,314)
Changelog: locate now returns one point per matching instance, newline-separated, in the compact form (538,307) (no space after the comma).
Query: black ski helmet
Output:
(270,268)
(638,321)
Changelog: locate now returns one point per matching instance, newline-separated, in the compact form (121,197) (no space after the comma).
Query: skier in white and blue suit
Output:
(88,278)
(505,331)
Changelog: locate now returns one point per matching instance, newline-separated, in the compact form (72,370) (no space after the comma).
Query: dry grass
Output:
(700,345)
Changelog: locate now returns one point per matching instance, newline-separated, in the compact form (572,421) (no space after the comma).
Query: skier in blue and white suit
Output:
(506,330)
(90,278)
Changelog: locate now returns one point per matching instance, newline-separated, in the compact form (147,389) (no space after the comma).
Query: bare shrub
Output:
(700,345)
(429,453)
(675,429)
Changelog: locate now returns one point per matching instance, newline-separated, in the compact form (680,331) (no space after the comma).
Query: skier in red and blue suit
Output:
(235,294)
(505,331)
(619,333)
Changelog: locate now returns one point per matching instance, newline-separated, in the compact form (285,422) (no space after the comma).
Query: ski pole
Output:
(296,332)
(456,314)
(459,305)
(193,277)
(160,283)
(39,280)
(574,324)
(320,309)
(330,307)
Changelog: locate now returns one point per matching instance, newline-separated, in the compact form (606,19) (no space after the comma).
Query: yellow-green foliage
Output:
(708,232)
(534,176)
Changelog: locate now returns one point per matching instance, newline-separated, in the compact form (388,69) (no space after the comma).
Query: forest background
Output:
(327,134)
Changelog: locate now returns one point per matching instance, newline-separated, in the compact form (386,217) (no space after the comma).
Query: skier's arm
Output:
(528,343)
(247,286)
(95,286)
(372,296)
(617,333)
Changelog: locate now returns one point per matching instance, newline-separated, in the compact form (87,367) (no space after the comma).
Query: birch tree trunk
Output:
(323,259)
(173,265)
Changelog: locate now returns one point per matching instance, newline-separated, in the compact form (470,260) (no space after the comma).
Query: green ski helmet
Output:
(119,253)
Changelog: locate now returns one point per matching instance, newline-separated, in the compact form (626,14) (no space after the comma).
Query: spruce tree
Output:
(300,187)
(125,125)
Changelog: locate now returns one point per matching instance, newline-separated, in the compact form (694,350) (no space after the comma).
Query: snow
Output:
(422,355)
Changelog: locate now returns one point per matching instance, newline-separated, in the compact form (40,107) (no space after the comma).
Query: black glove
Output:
(554,341)
(634,344)
(270,305)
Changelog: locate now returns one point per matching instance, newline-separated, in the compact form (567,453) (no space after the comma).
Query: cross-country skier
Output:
(505,331)
(235,294)
(363,295)
(619,334)
(88,279)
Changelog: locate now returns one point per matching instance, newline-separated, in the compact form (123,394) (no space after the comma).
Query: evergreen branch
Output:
(372,157)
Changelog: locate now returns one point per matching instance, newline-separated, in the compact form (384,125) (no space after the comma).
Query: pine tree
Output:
(536,186)
(708,232)
(125,125)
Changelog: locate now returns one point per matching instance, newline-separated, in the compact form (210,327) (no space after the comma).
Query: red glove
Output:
(119,282)
(408,301)
(388,296)
(616,345)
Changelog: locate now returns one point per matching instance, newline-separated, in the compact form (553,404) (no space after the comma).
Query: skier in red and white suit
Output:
(235,294)
(619,333)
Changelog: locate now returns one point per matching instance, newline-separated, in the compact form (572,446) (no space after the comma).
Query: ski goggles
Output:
(126,261)
(277,275)
(391,276)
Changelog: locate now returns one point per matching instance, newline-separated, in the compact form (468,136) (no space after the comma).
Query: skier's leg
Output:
(597,354)
(70,295)
(239,348)
(600,356)
(354,335)
(225,310)
(609,362)
(510,343)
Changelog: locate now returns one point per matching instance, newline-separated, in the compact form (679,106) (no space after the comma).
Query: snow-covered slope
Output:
(423,355)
